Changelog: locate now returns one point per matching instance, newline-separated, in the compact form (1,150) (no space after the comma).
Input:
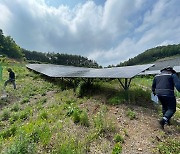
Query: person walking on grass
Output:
(163,86)
(11,78)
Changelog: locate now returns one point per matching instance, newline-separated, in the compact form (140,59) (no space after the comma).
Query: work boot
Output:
(168,123)
(162,122)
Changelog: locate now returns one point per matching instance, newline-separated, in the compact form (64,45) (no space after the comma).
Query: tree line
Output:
(59,59)
(153,54)
(9,48)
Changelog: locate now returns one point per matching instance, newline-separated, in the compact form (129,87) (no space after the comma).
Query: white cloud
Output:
(108,33)
(5,16)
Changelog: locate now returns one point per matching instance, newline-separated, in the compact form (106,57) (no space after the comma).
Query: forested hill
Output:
(10,49)
(59,59)
(151,55)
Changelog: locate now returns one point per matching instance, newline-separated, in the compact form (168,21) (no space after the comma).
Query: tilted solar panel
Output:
(150,72)
(71,71)
(154,72)
(56,70)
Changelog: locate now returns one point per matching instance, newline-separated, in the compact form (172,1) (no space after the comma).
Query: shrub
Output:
(116,100)
(103,124)
(70,111)
(44,115)
(76,116)
(44,134)
(14,118)
(125,132)
(8,132)
(15,108)
(22,145)
(81,89)
(35,136)
(25,100)
(84,119)
(131,114)
(99,121)
(117,148)
(87,88)
(118,138)
(5,115)
(43,93)
(24,115)
(140,97)
(70,146)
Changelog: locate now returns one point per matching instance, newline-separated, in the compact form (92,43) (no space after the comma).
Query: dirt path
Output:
(142,132)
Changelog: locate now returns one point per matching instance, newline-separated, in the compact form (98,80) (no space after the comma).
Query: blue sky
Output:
(108,32)
(71,3)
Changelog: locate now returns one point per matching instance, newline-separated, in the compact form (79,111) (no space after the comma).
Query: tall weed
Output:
(21,145)
(84,119)
(69,145)
(5,115)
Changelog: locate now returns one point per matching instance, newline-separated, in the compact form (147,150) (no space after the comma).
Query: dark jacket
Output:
(164,83)
(11,75)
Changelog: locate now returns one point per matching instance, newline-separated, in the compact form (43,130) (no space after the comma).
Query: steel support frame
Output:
(126,83)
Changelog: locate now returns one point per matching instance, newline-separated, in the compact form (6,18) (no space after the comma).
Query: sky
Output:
(107,31)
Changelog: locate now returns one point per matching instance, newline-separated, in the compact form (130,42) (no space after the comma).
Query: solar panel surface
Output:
(176,68)
(150,72)
(117,72)
(57,70)
(71,71)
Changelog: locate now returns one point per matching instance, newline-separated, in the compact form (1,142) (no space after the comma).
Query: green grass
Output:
(50,116)
(169,146)
(134,96)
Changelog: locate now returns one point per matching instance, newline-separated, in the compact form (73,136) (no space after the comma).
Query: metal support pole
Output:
(121,83)
(126,83)
(129,82)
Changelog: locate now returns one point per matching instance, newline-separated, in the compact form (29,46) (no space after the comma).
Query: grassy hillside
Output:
(50,116)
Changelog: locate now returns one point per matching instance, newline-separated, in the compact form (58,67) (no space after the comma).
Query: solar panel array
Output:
(82,72)
(153,72)
(174,61)
(57,70)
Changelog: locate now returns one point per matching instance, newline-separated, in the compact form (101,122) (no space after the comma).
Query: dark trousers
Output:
(168,106)
(10,81)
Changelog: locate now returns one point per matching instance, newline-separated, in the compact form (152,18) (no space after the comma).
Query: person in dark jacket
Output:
(11,78)
(163,86)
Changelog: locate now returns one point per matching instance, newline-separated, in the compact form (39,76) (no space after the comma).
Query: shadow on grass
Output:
(133,96)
